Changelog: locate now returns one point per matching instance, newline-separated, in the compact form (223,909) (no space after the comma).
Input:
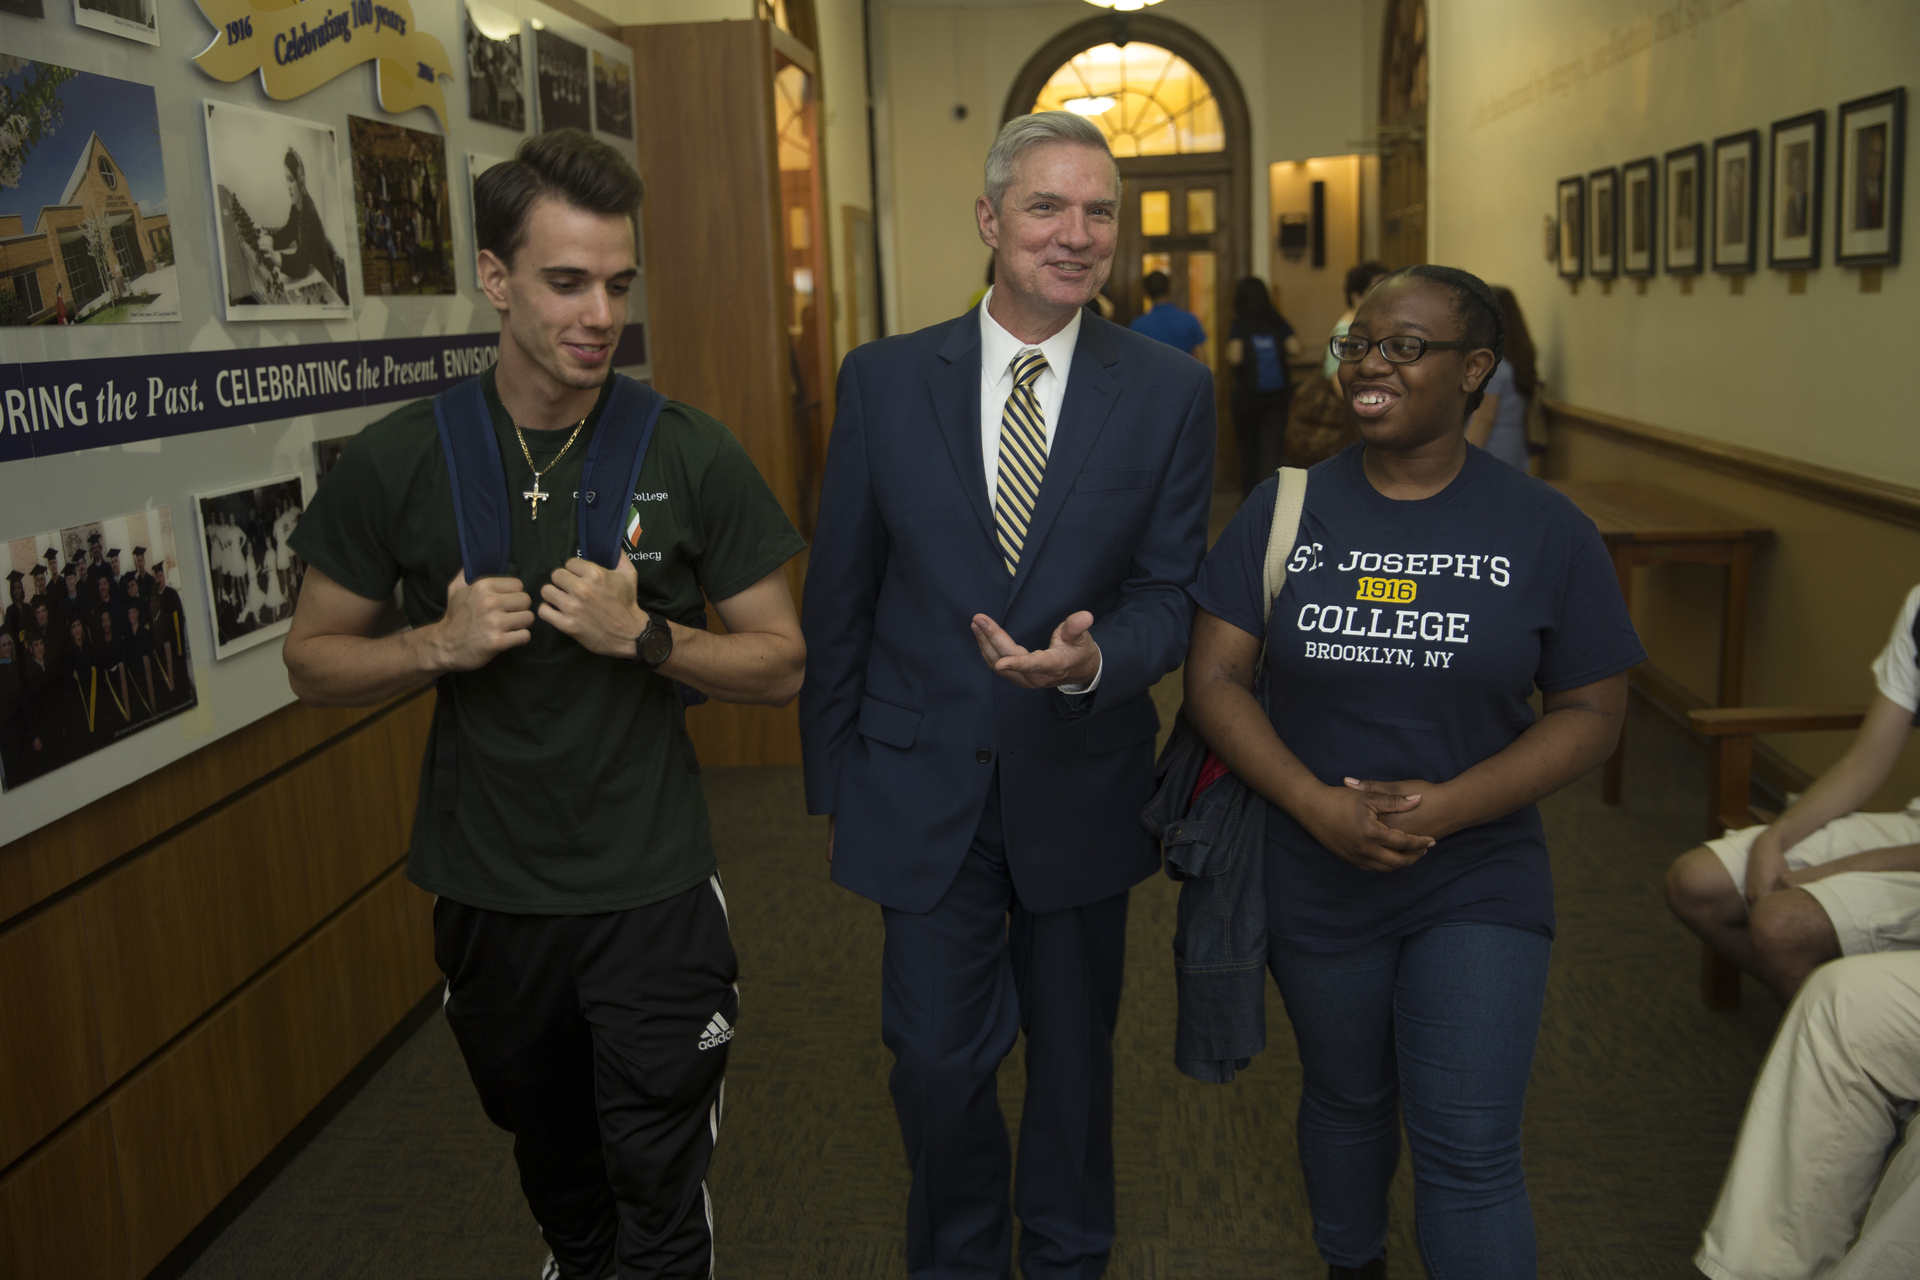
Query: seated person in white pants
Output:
(1822,881)
(1814,1155)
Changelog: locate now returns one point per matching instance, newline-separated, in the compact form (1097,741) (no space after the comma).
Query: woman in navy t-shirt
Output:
(1410,904)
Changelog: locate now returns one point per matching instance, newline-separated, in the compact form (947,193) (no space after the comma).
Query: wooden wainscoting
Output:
(1845,550)
(187,967)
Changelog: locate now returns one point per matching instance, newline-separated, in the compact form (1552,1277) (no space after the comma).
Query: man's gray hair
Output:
(1023,133)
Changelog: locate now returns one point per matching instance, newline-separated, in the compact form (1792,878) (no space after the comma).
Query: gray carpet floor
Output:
(1637,1090)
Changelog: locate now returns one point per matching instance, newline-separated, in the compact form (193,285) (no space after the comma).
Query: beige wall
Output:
(1311,297)
(1525,93)
(1306,70)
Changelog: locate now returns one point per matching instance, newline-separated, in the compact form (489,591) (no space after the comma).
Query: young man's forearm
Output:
(359,671)
(762,667)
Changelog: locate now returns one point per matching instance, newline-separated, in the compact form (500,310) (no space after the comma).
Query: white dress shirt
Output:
(998,349)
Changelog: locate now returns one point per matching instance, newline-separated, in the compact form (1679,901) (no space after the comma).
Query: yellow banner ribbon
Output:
(299,45)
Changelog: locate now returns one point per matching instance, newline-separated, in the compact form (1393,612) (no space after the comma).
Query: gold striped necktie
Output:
(1023,457)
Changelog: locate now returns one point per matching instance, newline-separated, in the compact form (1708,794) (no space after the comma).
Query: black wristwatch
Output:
(654,645)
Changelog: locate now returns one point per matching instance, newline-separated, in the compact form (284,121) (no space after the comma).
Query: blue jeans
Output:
(1439,1027)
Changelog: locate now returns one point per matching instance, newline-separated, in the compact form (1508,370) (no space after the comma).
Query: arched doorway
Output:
(1178,125)
(1177,121)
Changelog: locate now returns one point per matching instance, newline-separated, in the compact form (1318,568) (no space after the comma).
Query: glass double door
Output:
(1176,223)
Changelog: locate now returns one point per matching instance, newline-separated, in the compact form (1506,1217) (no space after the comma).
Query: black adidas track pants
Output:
(600,1043)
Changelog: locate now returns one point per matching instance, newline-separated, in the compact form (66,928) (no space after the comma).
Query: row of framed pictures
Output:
(1610,223)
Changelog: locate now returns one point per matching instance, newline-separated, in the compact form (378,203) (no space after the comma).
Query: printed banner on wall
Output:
(61,406)
(297,47)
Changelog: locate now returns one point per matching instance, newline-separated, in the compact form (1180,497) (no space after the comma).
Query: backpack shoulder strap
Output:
(477,478)
(612,471)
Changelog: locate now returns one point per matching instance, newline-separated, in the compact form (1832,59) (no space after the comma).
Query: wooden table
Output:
(1645,524)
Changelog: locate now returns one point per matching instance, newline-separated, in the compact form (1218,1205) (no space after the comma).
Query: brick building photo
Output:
(84,237)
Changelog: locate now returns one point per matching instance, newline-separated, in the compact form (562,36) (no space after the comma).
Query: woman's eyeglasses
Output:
(1399,348)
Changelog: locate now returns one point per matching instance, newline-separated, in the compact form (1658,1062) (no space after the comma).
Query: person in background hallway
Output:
(1168,322)
(1258,349)
(1821,880)
(580,923)
(1499,425)
(1409,895)
(1047,475)
(1823,1184)
(1360,278)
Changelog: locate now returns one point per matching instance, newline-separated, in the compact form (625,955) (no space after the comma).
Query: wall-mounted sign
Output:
(299,45)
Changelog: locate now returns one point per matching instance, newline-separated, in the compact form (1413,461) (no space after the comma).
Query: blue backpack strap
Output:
(611,476)
(478,480)
(612,472)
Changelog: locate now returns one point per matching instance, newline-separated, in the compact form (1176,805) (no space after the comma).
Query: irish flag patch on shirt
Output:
(633,528)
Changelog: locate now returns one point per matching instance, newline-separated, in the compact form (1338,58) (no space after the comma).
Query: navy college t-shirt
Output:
(1405,644)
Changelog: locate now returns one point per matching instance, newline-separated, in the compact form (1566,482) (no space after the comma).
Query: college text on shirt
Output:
(1381,580)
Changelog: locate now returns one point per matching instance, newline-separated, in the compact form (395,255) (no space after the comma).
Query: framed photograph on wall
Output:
(1603,216)
(1796,180)
(561,75)
(1686,208)
(1571,205)
(252,576)
(1736,200)
(496,72)
(1640,218)
(280,215)
(1873,143)
(130,19)
(613,95)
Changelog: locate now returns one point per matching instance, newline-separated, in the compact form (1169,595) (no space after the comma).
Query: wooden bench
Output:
(1730,797)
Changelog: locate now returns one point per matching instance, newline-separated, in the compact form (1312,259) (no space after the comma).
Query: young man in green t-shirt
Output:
(580,923)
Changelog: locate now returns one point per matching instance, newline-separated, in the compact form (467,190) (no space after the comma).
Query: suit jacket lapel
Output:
(1091,395)
(955,387)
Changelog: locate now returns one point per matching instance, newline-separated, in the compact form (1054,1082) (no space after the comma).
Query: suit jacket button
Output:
(984,756)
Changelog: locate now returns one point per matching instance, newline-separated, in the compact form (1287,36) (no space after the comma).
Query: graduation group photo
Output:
(95,646)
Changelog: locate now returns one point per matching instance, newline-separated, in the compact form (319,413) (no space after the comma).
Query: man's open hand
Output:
(483,619)
(597,607)
(1071,658)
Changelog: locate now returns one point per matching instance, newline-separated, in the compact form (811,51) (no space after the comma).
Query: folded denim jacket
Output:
(1215,846)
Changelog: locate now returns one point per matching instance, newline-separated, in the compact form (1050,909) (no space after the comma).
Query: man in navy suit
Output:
(1014,503)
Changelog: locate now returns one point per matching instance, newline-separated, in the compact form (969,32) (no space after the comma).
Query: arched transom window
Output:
(1145,99)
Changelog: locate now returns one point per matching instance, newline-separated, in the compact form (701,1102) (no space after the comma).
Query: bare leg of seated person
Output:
(1703,896)
(1791,936)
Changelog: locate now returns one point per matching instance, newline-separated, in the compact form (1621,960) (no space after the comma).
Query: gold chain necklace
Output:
(535,495)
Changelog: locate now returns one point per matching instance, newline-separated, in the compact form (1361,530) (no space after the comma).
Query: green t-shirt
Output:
(579,791)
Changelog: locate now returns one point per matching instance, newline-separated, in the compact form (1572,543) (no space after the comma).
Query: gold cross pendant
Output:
(534,497)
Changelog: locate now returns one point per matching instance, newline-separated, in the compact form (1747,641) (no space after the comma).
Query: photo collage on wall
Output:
(95,647)
(251,574)
(401,205)
(1713,206)
(276,183)
(85,236)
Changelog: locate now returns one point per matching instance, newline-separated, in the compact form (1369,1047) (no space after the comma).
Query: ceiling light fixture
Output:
(1123,6)
(1094,106)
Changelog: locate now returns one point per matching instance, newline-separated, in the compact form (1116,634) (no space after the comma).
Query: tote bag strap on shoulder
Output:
(1287,506)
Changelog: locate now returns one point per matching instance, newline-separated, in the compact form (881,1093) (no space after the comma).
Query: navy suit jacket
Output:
(902,723)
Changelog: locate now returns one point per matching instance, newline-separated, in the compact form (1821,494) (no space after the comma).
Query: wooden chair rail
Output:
(1718,722)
